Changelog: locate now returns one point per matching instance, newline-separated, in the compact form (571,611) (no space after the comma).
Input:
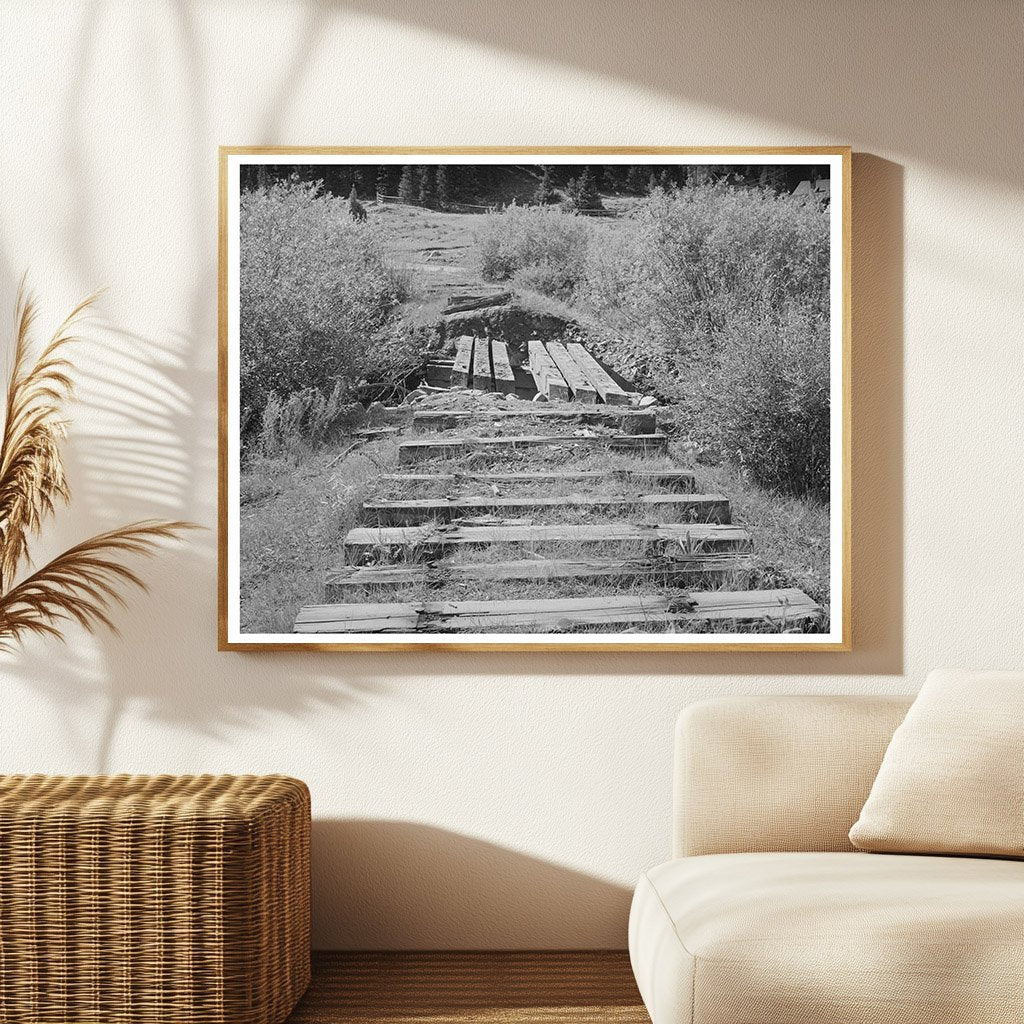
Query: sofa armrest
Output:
(760,774)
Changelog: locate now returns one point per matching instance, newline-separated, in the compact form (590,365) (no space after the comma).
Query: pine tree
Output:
(469,183)
(382,180)
(355,208)
(635,180)
(773,176)
(614,177)
(665,180)
(443,186)
(428,185)
(652,183)
(587,196)
(408,190)
(572,192)
(545,193)
(697,174)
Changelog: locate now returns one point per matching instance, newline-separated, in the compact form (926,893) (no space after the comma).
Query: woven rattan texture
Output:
(144,899)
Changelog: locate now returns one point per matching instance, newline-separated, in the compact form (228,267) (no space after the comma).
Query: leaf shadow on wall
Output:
(147,448)
(137,456)
(405,885)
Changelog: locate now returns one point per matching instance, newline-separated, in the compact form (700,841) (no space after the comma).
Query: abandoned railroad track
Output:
(546,502)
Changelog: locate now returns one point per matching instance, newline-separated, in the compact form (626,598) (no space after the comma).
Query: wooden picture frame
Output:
(426,624)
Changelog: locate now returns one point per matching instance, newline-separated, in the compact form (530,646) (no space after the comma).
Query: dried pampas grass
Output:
(83,583)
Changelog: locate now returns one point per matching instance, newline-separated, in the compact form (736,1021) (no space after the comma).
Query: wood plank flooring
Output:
(594,987)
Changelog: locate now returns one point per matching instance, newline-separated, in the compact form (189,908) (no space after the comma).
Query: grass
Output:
(294,514)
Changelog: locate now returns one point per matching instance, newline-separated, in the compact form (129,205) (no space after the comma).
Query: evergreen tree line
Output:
(580,185)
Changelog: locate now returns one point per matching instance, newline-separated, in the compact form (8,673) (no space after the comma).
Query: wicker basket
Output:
(137,900)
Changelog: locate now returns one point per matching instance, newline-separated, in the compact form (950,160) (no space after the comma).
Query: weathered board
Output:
(410,452)
(669,539)
(545,374)
(359,618)
(609,391)
(582,390)
(461,371)
(461,303)
(560,615)
(697,508)
(482,366)
(681,481)
(627,421)
(349,582)
(504,378)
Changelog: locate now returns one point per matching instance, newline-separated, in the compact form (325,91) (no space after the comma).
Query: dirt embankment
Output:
(510,323)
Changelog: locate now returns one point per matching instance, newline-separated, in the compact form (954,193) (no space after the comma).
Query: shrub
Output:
(317,295)
(538,246)
(718,299)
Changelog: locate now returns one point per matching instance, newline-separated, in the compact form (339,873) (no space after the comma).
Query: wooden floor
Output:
(466,988)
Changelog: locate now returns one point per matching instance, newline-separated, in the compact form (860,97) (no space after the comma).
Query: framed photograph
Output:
(532,399)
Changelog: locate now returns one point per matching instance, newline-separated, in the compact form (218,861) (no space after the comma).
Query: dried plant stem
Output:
(81,584)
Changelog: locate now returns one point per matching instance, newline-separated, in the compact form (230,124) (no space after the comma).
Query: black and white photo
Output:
(503,399)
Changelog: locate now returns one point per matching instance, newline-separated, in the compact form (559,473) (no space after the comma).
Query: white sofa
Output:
(767,914)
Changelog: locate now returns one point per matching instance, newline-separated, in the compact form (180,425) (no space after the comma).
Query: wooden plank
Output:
(462,303)
(410,452)
(682,481)
(582,390)
(560,615)
(482,380)
(698,508)
(357,618)
(349,582)
(463,361)
(609,391)
(504,379)
(545,374)
(669,539)
(625,420)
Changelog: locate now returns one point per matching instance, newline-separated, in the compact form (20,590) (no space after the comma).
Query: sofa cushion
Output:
(950,781)
(830,938)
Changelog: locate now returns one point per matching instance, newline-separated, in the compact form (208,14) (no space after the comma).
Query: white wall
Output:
(494,800)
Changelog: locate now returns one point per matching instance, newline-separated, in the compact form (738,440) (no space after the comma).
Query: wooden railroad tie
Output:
(546,375)
(627,421)
(581,388)
(682,481)
(599,379)
(698,508)
(558,615)
(350,582)
(504,378)
(462,369)
(410,452)
(482,379)
(667,539)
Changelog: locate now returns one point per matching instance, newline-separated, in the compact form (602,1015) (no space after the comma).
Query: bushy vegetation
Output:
(718,299)
(318,296)
(536,247)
